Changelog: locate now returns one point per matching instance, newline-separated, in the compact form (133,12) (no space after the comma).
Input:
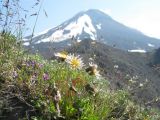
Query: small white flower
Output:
(116,66)
(146,80)
(92,70)
(91,59)
(140,85)
(132,81)
(93,65)
(157,99)
(33,80)
(135,77)
(57,97)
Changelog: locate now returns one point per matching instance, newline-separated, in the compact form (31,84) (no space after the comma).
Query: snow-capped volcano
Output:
(96,25)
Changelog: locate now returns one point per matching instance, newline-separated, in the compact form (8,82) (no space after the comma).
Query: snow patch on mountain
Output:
(98,26)
(84,23)
(57,36)
(138,50)
(79,41)
(25,39)
(151,45)
(46,40)
(26,43)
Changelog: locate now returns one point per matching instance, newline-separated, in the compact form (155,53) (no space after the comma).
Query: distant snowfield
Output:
(43,40)
(26,43)
(138,50)
(151,45)
(25,39)
(84,23)
(99,26)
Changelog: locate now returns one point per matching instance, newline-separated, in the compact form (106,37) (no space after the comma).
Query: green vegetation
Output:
(32,88)
(53,90)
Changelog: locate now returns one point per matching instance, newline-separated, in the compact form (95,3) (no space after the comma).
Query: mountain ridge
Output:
(97,25)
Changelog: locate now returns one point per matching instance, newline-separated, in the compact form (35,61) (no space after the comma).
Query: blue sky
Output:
(140,14)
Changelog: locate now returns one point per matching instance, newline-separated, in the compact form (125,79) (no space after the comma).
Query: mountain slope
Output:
(134,69)
(96,25)
(131,66)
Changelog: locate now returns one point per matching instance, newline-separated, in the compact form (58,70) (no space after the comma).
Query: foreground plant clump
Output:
(62,89)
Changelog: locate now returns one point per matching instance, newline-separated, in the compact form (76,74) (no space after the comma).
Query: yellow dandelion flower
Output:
(61,55)
(74,61)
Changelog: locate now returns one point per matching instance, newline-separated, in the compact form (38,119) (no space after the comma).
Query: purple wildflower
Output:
(27,64)
(45,76)
(40,65)
(35,74)
(31,63)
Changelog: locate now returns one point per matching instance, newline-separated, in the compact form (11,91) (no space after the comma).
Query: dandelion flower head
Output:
(74,61)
